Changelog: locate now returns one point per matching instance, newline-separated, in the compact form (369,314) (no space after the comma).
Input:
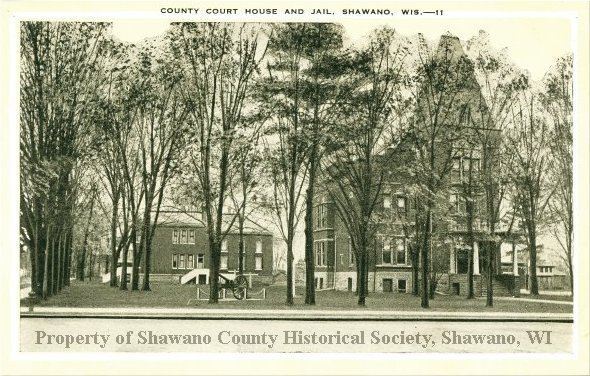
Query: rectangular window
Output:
(320,256)
(401,204)
(183,236)
(321,216)
(191,236)
(181,262)
(200,261)
(224,246)
(471,163)
(190,261)
(466,164)
(457,203)
(401,285)
(175,236)
(400,251)
(174,261)
(258,263)
(258,246)
(350,252)
(387,253)
(387,285)
(386,202)
(223,264)
(456,171)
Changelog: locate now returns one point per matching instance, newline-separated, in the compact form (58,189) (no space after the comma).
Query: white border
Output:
(16,17)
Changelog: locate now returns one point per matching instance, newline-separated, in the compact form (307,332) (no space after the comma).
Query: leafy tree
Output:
(307,59)
(61,65)
(557,99)
(445,109)
(160,121)
(500,83)
(529,143)
(357,156)
(245,182)
(218,62)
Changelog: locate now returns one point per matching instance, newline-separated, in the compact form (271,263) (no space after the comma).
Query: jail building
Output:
(180,249)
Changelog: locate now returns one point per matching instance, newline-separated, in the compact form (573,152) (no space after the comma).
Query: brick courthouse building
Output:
(390,262)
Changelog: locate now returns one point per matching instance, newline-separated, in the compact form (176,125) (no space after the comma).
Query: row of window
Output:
(388,285)
(465,164)
(258,262)
(187,236)
(183,236)
(393,252)
(258,246)
(187,261)
(478,225)
(461,168)
(401,202)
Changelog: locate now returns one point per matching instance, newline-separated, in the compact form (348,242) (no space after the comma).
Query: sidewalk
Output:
(311,315)
(564,302)
(548,292)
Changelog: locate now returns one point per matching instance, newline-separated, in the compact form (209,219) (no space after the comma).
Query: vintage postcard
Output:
(295,188)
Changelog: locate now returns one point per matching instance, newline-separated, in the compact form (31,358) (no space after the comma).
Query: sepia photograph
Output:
(211,184)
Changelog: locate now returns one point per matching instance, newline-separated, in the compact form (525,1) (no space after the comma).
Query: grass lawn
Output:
(94,294)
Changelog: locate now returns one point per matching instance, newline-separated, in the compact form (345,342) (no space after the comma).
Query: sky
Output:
(532,43)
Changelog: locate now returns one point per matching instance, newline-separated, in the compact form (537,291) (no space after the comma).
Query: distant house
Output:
(180,249)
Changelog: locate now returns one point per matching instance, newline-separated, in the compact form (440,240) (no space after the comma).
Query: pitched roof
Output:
(194,219)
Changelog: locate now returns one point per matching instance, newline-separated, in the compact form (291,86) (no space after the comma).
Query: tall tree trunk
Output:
(36,261)
(214,271)
(124,259)
(309,252)
(53,286)
(59,262)
(490,250)
(91,265)
(358,274)
(362,283)
(241,265)
(414,252)
(137,255)
(471,254)
(146,263)
(533,258)
(290,287)
(68,257)
(114,249)
(425,259)
(46,265)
